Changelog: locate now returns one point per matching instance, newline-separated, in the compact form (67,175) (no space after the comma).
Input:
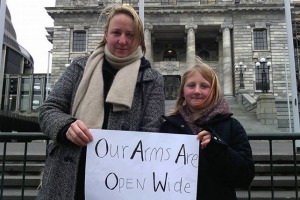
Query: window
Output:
(37,94)
(172,84)
(25,90)
(168,2)
(79,41)
(130,2)
(13,88)
(262,76)
(204,55)
(260,39)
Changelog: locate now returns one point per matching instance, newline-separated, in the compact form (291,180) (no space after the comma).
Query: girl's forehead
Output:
(194,74)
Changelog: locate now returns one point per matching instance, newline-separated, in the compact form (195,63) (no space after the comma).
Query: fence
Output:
(23,154)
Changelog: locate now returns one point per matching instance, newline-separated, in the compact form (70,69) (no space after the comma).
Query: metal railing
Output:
(15,150)
(286,145)
(24,147)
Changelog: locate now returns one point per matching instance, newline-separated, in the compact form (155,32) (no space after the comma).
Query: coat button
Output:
(68,159)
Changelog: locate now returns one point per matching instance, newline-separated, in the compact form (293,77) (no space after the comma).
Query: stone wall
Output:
(171,20)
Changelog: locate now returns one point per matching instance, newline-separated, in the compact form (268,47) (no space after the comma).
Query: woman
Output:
(225,155)
(114,88)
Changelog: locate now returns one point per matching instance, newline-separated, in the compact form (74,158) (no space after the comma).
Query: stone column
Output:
(190,45)
(219,70)
(227,62)
(148,42)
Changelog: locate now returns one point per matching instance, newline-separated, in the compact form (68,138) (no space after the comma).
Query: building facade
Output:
(245,41)
(22,92)
(226,34)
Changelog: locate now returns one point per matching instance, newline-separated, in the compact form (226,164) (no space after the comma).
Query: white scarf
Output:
(89,99)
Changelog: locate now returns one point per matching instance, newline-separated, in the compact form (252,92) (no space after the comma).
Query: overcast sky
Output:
(29,19)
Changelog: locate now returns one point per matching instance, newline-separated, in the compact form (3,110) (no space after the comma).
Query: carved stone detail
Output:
(80,2)
(169,66)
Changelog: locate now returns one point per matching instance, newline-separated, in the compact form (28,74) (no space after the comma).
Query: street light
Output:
(48,76)
(242,68)
(263,65)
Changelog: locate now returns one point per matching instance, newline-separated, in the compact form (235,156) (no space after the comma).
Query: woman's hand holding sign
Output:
(79,134)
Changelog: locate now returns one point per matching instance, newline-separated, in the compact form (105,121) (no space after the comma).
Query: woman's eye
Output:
(130,35)
(116,33)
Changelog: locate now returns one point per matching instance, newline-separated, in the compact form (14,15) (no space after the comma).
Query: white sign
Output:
(124,165)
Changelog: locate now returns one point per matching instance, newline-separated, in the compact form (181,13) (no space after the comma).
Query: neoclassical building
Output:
(230,35)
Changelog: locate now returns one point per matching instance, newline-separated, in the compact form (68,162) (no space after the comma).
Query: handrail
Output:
(251,136)
(23,136)
(274,136)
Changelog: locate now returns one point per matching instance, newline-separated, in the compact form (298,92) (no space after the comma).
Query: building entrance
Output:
(172,83)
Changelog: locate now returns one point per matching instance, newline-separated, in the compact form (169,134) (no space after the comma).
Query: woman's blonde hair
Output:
(208,73)
(110,11)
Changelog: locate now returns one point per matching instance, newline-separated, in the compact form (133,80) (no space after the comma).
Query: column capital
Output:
(190,26)
(225,26)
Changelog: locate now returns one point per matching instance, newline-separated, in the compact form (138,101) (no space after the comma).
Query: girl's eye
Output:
(204,86)
(190,85)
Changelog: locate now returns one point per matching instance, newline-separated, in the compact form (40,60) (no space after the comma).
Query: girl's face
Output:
(120,36)
(196,92)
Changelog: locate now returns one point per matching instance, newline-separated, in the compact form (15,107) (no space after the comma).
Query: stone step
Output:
(15,194)
(262,182)
(267,195)
(277,169)
(30,194)
(277,158)
(18,167)
(17,180)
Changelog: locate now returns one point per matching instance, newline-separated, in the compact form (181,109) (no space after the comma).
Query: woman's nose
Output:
(122,39)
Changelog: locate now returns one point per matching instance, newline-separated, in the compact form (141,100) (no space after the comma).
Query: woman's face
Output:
(120,36)
(196,92)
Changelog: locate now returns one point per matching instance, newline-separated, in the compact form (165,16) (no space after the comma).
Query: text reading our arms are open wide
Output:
(143,152)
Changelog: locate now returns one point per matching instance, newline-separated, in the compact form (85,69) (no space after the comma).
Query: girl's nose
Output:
(197,90)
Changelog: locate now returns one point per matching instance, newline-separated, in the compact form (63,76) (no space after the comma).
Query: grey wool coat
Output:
(60,173)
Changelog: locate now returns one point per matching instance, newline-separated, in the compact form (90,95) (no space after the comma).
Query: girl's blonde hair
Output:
(110,11)
(208,73)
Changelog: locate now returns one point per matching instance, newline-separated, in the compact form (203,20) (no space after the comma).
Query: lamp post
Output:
(242,68)
(48,75)
(263,65)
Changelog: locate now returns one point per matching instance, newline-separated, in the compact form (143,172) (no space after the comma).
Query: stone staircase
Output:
(248,119)
(283,175)
(14,178)
(283,169)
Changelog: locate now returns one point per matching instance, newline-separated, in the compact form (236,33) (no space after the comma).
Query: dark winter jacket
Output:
(60,174)
(226,162)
